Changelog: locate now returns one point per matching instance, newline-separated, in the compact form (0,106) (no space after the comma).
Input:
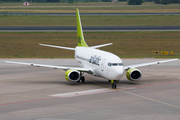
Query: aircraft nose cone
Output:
(117,73)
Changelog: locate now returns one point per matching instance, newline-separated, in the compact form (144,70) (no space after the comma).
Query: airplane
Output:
(95,62)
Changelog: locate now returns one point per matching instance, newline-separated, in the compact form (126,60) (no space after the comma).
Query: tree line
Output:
(130,2)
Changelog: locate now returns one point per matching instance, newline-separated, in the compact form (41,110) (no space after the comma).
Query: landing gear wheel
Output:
(83,79)
(113,85)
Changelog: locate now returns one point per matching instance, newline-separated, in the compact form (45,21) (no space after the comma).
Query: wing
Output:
(51,66)
(67,48)
(147,64)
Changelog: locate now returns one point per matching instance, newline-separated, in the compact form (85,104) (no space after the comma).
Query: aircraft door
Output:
(102,64)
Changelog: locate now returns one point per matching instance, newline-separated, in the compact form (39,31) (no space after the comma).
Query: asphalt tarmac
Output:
(91,28)
(37,93)
(89,14)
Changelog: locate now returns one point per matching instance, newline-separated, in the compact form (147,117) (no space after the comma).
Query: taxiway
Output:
(31,93)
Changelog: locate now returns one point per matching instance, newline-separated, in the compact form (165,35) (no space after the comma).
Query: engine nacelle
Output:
(72,75)
(133,74)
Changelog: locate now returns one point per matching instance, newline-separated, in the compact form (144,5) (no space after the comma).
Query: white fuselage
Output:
(101,63)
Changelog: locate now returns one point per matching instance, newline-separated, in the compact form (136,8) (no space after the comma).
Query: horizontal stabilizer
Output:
(98,46)
(68,48)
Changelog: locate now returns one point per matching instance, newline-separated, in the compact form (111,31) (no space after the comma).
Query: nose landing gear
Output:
(113,85)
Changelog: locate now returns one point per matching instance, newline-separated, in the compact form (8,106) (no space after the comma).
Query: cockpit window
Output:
(115,64)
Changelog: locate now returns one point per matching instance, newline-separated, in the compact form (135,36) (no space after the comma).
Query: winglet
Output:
(80,36)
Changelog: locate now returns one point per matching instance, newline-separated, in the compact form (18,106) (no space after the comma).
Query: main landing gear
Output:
(82,79)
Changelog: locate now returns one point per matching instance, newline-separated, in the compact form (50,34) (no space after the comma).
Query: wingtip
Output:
(6,61)
(42,44)
(175,59)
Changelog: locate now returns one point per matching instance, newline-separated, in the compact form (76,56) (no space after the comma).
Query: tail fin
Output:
(80,36)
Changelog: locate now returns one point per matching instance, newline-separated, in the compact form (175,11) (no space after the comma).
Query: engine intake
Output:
(72,75)
(133,74)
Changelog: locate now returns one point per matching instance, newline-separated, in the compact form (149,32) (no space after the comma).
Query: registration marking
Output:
(79,93)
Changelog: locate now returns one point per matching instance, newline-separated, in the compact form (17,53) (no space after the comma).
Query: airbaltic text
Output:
(95,59)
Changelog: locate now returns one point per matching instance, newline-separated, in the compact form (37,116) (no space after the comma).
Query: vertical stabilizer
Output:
(80,36)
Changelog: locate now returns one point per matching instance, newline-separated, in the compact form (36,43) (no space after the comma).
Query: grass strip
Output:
(125,44)
(120,7)
(149,20)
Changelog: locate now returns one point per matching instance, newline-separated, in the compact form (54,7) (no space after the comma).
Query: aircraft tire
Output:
(83,79)
(113,86)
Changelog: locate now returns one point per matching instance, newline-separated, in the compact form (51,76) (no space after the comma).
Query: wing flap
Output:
(147,64)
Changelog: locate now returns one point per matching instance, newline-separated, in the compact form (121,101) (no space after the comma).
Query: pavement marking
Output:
(150,99)
(95,91)
(103,91)
(149,85)
(26,77)
(65,95)
(79,93)
(122,90)
(99,83)
(27,101)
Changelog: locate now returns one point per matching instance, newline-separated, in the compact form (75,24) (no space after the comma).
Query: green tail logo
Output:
(80,36)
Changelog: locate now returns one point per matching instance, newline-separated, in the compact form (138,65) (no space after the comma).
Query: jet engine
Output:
(72,75)
(133,74)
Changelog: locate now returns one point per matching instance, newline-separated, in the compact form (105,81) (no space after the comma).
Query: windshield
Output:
(115,64)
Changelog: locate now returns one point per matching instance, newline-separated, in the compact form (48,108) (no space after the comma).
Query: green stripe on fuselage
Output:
(80,37)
